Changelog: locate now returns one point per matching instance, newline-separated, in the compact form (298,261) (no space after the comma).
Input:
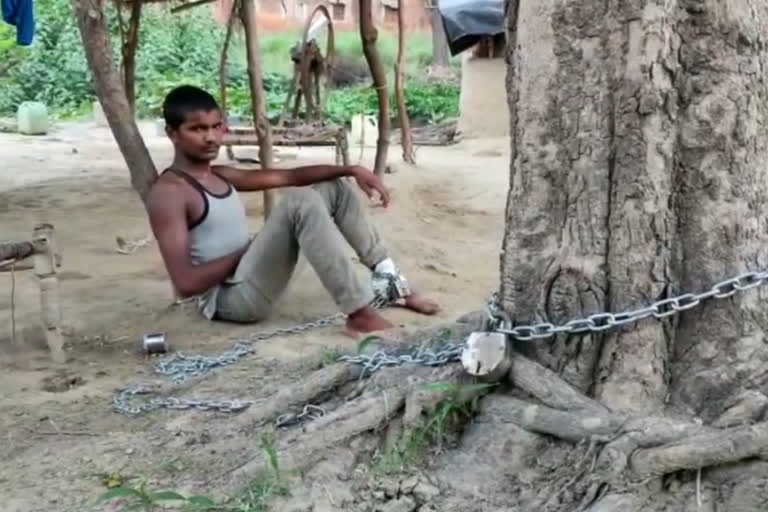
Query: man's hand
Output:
(370,183)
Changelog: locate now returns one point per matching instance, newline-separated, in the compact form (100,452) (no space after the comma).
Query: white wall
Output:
(483,110)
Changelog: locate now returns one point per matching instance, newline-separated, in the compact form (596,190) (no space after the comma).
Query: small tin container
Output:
(154,343)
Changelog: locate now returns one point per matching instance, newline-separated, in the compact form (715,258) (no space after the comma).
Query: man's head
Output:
(193,122)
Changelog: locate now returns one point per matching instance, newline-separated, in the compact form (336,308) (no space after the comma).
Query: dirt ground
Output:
(59,434)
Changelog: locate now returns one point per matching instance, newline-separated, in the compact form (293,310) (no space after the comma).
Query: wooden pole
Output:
(369,34)
(258,103)
(223,82)
(402,112)
(111,93)
(45,270)
(19,250)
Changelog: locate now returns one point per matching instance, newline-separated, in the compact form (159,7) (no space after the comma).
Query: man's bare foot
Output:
(421,304)
(367,320)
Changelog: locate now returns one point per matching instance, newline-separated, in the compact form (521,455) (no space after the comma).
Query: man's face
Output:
(199,136)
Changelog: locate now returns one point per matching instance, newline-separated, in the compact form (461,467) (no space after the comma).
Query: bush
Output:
(185,48)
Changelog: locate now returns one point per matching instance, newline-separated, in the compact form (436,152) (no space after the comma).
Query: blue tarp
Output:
(468,21)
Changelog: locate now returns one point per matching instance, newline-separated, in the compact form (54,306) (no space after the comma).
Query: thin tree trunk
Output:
(130,45)
(440,52)
(402,112)
(258,101)
(223,82)
(111,92)
(369,34)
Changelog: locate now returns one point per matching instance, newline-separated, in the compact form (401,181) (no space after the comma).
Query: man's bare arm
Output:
(168,219)
(263,179)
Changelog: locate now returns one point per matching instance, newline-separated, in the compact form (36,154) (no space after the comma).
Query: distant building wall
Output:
(275,15)
(483,109)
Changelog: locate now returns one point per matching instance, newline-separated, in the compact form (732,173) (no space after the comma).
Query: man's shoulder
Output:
(167,184)
(166,192)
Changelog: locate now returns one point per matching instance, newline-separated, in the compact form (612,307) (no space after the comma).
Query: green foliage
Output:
(142,499)
(261,491)
(254,499)
(44,72)
(434,431)
(185,48)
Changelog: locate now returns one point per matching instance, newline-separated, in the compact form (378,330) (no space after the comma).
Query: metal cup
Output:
(154,343)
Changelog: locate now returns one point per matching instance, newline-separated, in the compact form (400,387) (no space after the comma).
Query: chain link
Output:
(499,322)
(310,412)
(445,354)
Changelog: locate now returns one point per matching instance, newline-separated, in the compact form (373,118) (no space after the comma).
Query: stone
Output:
(425,492)
(409,484)
(404,504)
(390,487)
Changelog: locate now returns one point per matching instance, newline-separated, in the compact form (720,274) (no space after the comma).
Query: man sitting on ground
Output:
(202,233)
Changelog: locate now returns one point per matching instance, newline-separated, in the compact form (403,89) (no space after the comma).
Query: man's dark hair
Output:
(183,100)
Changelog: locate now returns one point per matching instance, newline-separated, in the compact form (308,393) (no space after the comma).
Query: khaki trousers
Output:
(316,220)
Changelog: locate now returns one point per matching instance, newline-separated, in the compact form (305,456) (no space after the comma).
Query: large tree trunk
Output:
(258,100)
(369,34)
(637,174)
(111,92)
(440,52)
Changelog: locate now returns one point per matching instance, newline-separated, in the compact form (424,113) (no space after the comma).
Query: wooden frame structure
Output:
(310,82)
(117,101)
(43,250)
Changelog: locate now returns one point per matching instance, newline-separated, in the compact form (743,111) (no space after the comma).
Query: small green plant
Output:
(142,499)
(262,490)
(433,433)
(254,499)
(330,356)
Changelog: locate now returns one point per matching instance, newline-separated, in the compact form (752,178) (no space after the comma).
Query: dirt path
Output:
(59,435)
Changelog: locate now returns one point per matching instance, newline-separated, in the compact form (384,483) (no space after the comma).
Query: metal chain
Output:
(124,402)
(448,353)
(499,322)
(387,288)
(310,412)
(180,367)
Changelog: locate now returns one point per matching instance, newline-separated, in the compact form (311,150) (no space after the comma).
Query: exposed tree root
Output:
(545,385)
(304,391)
(623,453)
(372,411)
(566,425)
(728,445)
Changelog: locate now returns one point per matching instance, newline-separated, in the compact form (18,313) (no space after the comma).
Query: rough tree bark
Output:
(111,93)
(638,173)
(440,52)
(258,101)
(369,34)
(402,112)
(129,39)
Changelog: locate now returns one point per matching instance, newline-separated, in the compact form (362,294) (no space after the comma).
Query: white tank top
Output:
(221,229)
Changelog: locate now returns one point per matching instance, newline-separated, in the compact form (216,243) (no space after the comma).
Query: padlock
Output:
(486,355)
(154,343)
